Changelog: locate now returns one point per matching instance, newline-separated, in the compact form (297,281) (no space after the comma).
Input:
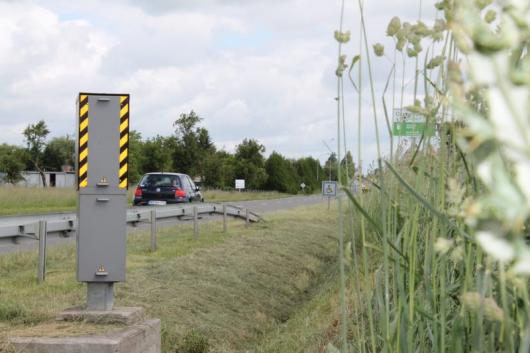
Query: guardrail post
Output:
(195,222)
(41,231)
(247,217)
(153,230)
(224,219)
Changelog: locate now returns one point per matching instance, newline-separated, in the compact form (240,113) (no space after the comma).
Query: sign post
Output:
(240,184)
(329,189)
(102,167)
(409,124)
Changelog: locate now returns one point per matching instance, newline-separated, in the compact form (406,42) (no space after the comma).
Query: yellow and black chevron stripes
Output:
(82,176)
(124,142)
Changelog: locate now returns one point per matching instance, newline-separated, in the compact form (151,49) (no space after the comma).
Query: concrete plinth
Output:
(126,316)
(141,337)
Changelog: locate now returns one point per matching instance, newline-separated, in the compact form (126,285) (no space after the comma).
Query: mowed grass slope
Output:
(20,200)
(236,289)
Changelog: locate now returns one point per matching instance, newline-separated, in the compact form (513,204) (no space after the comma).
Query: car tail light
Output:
(138,192)
(180,193)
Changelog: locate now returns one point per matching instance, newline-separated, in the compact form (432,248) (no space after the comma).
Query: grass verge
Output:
(19,200)
(233,289)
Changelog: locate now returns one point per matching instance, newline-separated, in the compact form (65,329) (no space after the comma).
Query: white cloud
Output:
(251,69)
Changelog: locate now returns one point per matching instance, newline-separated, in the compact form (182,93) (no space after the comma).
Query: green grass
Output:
(235,289)
(227,196)
(19,200)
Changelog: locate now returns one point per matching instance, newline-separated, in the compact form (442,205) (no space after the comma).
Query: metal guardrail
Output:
(39,229)
(30,229)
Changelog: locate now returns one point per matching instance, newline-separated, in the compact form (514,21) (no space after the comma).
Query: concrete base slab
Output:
(142,337)
(127,316)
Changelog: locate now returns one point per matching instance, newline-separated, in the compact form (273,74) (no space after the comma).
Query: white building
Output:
(53,179)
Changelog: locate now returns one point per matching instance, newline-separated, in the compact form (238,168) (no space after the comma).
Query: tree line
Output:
(189,149)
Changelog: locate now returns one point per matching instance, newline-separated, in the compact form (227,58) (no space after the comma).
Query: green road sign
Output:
(412,129)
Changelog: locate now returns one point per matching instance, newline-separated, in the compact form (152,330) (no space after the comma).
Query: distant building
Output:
(53,179)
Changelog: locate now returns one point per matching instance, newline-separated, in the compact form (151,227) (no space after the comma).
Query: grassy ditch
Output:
(19,200)
(232,290)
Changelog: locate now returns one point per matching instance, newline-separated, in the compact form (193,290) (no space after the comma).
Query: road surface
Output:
(258,206)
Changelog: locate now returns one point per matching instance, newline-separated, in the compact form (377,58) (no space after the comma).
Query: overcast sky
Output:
(260,69)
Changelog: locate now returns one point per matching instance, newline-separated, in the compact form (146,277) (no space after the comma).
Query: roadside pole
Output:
(329,189)
(195,222)
(247,217)
(153,230)
(41,231)
(224,219)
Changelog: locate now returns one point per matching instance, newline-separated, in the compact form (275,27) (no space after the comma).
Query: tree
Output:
(219,170)
(330,168)
(156,154)
(136,156)
(12,162)
(193,145)
(347,167)
(59,152)
(281,173)
(35,136)
(250,163)
(310,172)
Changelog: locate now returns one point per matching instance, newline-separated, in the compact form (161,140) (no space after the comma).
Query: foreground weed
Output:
(438,243)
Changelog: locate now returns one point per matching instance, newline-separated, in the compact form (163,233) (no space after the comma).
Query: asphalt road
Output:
(257,206)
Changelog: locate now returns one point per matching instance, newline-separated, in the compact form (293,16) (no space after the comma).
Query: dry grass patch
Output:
(232,288)
(64,329)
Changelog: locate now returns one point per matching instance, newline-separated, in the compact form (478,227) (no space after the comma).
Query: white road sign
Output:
(240,184)
(329,188)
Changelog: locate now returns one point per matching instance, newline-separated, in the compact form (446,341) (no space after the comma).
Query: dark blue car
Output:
(166,188)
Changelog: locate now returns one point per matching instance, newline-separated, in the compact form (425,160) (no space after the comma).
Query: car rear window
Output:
(158,180)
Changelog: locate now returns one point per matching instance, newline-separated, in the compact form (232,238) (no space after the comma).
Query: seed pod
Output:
(461,39)
(413,38)
(379,49)
(443,245)
(491,15)
(435,62)
(341,66)
(393,27)
(421,29)
(406,28)
(475,302)
(342,37)
(401,43)
(417,47)
(481,4)
(411,52)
